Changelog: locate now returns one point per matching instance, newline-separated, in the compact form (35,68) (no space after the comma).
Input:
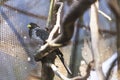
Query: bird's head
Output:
(32,25)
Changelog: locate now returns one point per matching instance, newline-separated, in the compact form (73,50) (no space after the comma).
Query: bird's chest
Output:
(34,36)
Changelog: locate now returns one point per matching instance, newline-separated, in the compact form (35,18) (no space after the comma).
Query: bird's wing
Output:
(41,33)
(35,37)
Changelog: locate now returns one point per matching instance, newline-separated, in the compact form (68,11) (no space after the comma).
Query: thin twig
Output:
(57,25)
(50,17)
(61,76)
(105,15)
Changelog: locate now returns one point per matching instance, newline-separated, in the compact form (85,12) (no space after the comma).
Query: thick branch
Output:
(95,41)
(57,25)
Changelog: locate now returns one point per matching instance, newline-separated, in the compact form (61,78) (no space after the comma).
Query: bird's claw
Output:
(43,51)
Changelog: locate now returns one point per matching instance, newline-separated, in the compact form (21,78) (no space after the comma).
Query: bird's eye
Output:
(28,25)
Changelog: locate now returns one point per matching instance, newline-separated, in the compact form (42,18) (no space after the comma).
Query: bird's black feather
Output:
(37,33)
(30,33)
(42,34)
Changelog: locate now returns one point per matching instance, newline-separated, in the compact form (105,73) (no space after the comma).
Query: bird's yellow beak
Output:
(29,26)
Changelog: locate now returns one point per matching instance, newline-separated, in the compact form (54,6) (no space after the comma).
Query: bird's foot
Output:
(45,50)
(42,52)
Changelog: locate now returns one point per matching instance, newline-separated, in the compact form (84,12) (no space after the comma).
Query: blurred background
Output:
(17,49)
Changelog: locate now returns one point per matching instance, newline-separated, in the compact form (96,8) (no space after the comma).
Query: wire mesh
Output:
(15,46)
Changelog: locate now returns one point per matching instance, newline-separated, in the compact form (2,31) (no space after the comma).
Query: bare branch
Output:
(61,76)
(57,25)
(54,68)
(95,41)
(50,14)
(105,15)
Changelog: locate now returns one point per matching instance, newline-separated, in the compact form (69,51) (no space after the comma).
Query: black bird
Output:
(37,33)
(41,35)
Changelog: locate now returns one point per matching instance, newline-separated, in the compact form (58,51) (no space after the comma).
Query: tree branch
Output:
(61,76)
(95,41)
(57,25)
